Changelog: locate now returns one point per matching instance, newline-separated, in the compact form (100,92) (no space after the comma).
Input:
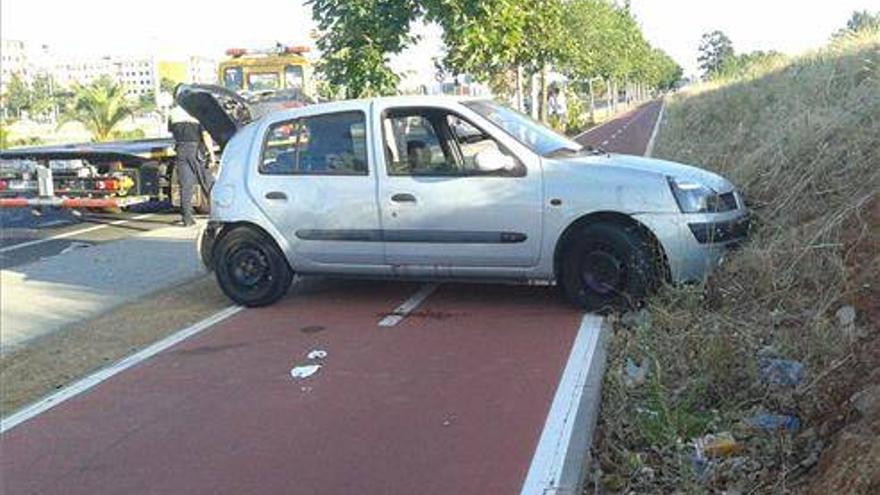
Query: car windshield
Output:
(531,133)
(261,81)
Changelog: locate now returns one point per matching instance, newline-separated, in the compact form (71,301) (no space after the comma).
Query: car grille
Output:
(721,232)
(728,201)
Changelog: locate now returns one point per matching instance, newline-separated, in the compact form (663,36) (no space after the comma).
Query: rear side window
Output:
(330,144)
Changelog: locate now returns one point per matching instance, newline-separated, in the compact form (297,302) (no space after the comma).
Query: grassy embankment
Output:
(801,138)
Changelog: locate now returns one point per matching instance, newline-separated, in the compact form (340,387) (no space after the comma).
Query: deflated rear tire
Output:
(250,268)
(607,267)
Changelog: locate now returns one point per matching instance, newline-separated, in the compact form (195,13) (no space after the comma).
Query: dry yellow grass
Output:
(801,138)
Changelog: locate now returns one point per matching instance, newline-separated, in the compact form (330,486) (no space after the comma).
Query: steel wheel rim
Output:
(249,268)
(602,271)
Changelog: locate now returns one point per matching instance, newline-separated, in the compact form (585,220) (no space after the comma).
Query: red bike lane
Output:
(450,400)
(627,133)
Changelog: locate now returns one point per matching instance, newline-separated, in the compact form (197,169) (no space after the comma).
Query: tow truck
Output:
(122,174)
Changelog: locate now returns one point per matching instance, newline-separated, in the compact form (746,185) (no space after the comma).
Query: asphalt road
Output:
(26,237)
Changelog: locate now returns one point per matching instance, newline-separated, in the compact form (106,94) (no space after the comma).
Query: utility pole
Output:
(592,101)
(519,87)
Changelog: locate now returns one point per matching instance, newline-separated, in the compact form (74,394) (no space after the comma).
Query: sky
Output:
(175,28)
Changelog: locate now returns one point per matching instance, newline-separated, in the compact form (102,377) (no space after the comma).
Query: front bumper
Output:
(695,244)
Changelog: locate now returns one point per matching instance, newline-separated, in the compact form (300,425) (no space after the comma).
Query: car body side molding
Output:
(425,236)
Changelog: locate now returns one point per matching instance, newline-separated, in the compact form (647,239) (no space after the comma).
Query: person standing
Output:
(193,147)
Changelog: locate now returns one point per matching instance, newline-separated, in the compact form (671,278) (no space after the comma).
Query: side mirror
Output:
(493,160)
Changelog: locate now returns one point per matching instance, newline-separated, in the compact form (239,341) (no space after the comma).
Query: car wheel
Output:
(607,267)
(250,268)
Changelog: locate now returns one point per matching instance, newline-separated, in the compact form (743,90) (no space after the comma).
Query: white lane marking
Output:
(94,379)
(73,233)
(410,304)
(561,453)
(650,149)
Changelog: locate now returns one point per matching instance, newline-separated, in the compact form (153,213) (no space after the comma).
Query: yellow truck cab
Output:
(273,69)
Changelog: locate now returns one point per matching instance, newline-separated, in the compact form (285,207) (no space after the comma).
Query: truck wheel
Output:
(250,268)
(607,266)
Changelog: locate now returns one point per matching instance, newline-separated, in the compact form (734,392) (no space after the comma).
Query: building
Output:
(139,75)
(194,69)
(202,70)
(13,61)
(70,71)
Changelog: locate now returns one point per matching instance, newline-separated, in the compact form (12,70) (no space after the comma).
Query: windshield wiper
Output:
(564,150)
(596,150)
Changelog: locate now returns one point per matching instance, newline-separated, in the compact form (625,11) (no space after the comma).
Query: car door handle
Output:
(403,198)
(276,195)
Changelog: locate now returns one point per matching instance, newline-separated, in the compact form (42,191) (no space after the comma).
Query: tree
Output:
(43,98)
(17,96)
(495,41)
(101,106)
(715,49)
(860,21)
(167,85)
(356,38)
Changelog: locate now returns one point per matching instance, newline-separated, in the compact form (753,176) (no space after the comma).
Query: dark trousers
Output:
(191,171)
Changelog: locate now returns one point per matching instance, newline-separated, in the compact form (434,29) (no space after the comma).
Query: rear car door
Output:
(438,211)
(315,182)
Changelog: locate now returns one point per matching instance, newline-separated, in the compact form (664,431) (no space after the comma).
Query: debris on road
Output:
(768,421)
(635,375)
(716,445)
(784,372)
(307,370)
(317,354)
(299,372)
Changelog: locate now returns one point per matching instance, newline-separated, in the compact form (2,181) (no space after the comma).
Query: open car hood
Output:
(220,111)
(223,112)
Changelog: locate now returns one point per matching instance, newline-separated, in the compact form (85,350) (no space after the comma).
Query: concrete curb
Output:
(559,466)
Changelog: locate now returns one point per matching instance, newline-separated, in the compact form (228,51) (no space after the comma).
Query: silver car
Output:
(441,188)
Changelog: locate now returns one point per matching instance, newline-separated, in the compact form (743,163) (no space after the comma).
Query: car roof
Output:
(359,103)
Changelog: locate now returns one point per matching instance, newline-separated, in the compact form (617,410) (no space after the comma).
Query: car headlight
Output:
(694,197)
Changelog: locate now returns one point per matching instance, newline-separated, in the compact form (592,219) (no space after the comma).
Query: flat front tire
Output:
(607,267)
(250,268)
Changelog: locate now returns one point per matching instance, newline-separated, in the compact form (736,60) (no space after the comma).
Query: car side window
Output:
(330,144)
(415,147)
(471,141)
(434,142)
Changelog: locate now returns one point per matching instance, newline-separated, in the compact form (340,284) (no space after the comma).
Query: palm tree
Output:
(100,107)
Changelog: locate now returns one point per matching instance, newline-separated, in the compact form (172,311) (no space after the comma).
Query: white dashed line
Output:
(408,306)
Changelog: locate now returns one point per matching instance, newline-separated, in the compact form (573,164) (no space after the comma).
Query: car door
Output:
(438,211)
(317,186)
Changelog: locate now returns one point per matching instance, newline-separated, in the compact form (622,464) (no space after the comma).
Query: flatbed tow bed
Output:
(117,175)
